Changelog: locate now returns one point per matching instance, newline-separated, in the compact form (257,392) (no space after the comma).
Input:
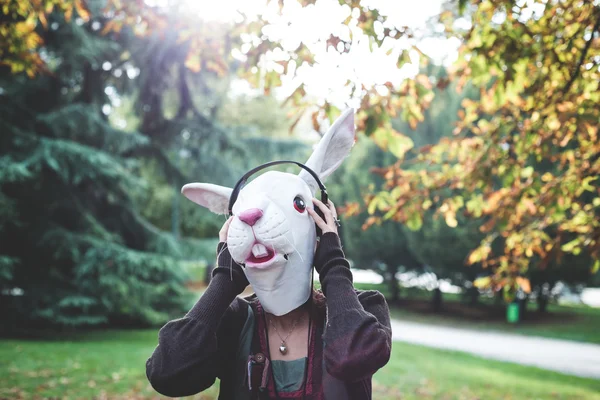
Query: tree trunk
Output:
(542,302)
(473,294)
(393,283)
(523,307)
(499,297)
(437,300)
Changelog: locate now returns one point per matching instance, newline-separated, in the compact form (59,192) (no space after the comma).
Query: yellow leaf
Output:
(81,10)
(482,283)
(553,122)
(547,177)
(68,13)
(43,19)
(192,62)
(479,254)
(451,221)
(524,284)
(493,200)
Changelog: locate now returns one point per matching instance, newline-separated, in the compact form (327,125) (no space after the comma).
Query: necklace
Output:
(283,348)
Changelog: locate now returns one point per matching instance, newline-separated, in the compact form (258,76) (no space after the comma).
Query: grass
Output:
(111,364)
(577,322)
(91,365)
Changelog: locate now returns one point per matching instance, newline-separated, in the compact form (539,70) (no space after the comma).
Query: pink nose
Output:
(251,215)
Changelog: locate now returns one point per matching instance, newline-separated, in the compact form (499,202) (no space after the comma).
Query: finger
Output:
(225,226)
(333,210)
(317,218)
(326,211)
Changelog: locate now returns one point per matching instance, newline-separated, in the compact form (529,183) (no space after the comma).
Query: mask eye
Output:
(299,204)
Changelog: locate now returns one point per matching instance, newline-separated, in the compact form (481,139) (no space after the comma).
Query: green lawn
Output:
(577,322)
(111,364)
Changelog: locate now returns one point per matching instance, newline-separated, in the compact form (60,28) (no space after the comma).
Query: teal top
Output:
(289,375)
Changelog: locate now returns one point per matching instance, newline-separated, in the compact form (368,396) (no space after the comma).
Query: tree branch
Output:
(588,44)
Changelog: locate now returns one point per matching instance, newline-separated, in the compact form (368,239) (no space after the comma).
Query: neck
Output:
(288,320)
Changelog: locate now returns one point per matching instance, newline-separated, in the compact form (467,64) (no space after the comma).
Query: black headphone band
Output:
(240,184)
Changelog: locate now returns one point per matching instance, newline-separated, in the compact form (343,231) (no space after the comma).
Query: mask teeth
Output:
(259,250)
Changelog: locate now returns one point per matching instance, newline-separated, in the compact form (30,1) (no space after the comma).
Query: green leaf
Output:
(399,144)
(475,205)
(570,246)
(404,58)
(370,125)
(596,266)
(527,172)
(461,6)
(414,222)
(392,141)
(373,205)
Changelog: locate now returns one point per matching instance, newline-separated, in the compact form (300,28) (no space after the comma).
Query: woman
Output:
(328,348)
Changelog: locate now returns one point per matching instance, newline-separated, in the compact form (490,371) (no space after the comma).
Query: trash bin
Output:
(512,313)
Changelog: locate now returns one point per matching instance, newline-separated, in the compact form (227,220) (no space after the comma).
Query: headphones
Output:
(240,184)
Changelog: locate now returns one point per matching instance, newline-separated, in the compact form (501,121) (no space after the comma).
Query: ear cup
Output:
(320,214)
(324,200)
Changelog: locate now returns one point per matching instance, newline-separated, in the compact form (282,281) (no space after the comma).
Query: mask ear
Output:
(332,149)
(213,197)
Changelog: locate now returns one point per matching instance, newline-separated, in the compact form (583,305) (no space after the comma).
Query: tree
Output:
(75,250)
(384,248)
(538,111)
(536,108)
(538,91)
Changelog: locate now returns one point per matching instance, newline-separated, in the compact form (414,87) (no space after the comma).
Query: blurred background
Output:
(471,198)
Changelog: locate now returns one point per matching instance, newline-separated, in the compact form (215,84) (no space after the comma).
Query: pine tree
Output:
(74,249)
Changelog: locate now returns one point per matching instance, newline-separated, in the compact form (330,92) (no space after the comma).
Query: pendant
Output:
(283,348)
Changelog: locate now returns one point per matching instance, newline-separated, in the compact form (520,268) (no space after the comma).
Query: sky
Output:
(326,80)
(311,25)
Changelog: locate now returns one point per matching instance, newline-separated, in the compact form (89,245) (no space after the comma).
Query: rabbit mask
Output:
(271,233)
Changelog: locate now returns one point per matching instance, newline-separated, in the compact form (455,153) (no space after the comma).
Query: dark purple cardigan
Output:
(195,350)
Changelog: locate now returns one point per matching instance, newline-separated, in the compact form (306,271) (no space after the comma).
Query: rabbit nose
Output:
(251,215)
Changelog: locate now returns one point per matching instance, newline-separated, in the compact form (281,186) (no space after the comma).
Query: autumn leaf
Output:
(82,10)
(524,284)
(483,282)
(479,254)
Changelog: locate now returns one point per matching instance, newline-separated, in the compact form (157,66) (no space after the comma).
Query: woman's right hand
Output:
(224,230)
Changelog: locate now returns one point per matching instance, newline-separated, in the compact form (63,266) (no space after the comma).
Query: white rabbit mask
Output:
(271,234)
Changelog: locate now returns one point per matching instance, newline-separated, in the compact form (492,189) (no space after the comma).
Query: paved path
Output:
(581,359)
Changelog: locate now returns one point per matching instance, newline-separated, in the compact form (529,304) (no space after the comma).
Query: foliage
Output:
(75,250)
(21,39)
(384,248)
(525,153)
(523,157)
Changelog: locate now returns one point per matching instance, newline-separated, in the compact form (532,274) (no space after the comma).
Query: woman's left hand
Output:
(330,223)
